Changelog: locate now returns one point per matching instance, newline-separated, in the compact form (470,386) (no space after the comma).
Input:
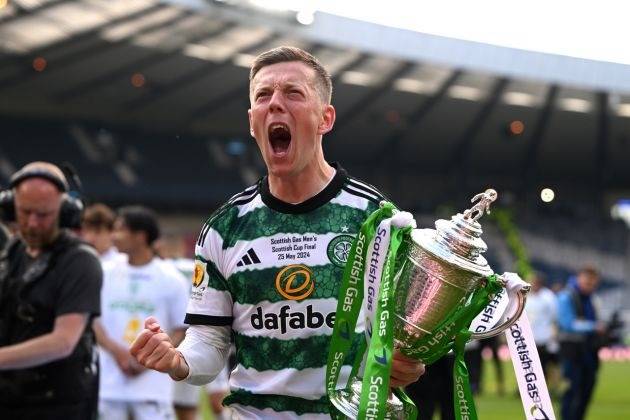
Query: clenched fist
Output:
(154,349)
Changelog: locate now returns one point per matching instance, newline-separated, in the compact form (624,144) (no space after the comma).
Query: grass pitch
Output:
(610,402)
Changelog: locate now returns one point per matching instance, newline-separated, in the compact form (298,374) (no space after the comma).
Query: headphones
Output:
(71,206)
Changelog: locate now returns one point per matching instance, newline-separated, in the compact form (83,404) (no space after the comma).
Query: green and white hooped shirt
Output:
(271,271)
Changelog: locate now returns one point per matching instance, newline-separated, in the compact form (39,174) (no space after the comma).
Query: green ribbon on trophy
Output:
(349,305)
(463,402)
(378,364)
(375,388)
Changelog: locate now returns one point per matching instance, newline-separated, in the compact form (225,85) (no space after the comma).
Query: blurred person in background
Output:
(474,361)
(493,344)
(580,333)
(434,390)
(132,290)
(542,311)
(244,272)
(216,391)
(172,249)
(557,286)
(50,285)
(472,356)
(97,226)
(96,229)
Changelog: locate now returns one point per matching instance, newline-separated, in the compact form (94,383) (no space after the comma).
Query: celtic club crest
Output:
(339,248)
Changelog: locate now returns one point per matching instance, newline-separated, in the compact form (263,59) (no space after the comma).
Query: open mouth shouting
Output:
(279,138)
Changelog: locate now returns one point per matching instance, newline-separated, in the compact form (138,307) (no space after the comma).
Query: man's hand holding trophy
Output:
(422,293)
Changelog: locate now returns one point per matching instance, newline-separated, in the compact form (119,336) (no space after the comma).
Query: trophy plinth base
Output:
(346,401)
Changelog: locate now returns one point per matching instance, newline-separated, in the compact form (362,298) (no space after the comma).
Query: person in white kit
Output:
(542,311)
(132,291)
(186,396)
(172,249)
(97,225)
(217,390)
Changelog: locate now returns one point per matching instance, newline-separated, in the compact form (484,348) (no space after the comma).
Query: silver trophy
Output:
(437,271)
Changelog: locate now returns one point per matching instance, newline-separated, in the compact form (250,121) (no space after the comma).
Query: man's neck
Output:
(141,257)
(34,252)
(298,188)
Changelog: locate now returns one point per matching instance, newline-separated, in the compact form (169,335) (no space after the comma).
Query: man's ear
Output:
(251,126)
(328,119)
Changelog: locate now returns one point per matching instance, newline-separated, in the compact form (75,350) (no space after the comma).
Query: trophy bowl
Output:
(437,271)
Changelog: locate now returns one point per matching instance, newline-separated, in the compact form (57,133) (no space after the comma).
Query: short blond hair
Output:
(287,54)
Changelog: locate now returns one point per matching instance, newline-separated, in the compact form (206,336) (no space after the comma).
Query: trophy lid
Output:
(458,241)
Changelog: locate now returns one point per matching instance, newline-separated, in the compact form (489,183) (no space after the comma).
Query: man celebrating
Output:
(269,262)
(49,292)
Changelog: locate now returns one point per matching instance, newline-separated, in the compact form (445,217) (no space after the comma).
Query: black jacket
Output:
(65,278)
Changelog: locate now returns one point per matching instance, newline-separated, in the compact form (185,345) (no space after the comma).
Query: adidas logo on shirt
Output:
(249,258)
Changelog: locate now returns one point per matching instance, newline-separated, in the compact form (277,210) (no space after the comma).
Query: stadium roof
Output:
(406,101)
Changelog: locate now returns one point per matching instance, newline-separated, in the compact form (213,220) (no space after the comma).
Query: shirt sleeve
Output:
(210,300)
(81,278)
(205,350)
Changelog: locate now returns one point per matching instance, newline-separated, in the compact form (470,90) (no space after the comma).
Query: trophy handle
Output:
(517,294)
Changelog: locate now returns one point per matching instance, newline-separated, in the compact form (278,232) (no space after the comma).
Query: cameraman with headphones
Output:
(50,285)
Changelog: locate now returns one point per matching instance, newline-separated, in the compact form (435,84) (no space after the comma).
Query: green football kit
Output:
(271,271)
